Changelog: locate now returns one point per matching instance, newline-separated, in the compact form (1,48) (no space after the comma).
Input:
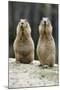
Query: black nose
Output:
(22,23)
(44,22)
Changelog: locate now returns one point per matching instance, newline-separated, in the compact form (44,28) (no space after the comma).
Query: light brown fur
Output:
(46,45)
(23,44)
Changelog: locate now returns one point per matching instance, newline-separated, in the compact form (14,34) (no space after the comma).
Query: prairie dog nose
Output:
(22,23)
(44,22)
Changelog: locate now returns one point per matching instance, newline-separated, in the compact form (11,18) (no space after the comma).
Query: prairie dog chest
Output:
(45,47)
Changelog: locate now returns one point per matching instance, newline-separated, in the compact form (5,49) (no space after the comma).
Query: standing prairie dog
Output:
(46,45)
(23,44)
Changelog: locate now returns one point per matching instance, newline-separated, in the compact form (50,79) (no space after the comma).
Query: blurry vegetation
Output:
(33,12)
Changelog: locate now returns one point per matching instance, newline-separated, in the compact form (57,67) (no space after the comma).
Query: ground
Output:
(31,75)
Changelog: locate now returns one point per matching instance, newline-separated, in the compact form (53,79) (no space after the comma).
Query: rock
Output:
(31,75)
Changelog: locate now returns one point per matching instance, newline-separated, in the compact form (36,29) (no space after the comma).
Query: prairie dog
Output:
(23,44)
(46,50)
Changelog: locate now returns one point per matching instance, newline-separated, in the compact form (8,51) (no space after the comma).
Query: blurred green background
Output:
(33,12)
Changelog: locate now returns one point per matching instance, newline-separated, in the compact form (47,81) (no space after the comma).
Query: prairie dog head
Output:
(23,27)
(45,26)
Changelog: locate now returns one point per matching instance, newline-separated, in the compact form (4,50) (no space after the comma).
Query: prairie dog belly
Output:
(24,48)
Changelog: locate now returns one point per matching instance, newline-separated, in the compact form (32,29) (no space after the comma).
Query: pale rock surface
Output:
(31,75)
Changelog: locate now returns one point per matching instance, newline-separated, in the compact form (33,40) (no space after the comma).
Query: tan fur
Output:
(23,44)
(46,45)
